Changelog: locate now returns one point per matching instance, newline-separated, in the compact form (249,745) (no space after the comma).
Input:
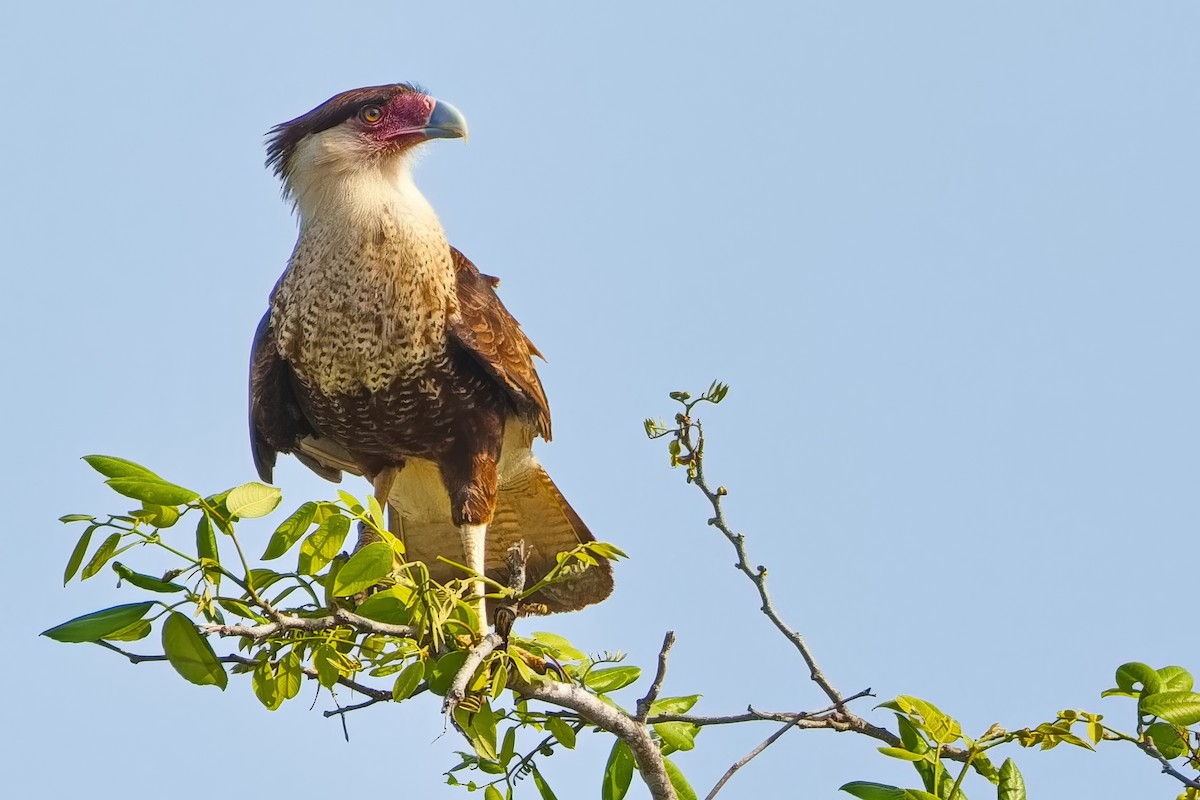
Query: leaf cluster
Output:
(371,621)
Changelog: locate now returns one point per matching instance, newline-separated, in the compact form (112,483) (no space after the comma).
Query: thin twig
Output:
(377,694)
(1147,747)
(757,576)
(643,706)
(355,707)
(744,760)
(753,714)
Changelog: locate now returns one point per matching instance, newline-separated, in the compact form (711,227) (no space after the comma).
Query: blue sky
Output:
(943,252)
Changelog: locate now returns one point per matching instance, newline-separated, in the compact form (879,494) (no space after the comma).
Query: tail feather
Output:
(529,508)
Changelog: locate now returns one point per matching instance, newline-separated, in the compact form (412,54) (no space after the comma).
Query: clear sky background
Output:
(944,253)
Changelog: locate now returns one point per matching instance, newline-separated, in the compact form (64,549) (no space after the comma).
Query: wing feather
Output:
(486,330)
(277,422)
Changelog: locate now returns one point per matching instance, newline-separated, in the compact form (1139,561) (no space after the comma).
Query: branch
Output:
(643,706)
(744,760)
(287,622)
(757,576)
(754,715)
(378,695)
(645,750)
(1147,747)
(475,657)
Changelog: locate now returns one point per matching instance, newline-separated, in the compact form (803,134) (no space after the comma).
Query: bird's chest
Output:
(418,414)
(358,314)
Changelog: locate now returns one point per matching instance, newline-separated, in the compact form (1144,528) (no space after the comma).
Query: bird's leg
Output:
(472,481)
(474,539)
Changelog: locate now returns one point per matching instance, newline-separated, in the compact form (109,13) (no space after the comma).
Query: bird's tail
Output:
(529,508)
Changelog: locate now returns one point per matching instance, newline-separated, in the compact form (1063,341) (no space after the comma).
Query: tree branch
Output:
(287,622)
(758,576)
(475,657)
(375,694)
(643,706)
(645,750)
(744,760)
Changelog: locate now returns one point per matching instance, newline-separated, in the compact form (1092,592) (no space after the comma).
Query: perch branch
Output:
(643,706)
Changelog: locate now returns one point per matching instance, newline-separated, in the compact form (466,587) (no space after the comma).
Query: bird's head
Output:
(372,128)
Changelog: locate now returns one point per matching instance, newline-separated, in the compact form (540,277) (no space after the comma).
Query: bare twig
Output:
(340,710)
(643,706)
(754,715)
(376,694)
(758,575)
(1147,747)
(744,760)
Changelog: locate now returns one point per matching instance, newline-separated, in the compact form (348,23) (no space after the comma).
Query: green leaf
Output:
(603,681)
(323,544)
(290,531)
(683,789)
(130,633)
(113,467)
(76,518)
(77,554)
(1012,785)
(95,626)
(289,676)
(103,553)
(900,753)
(206,544)
(483,726)
(492,793)
(150,490)
(252,500)
(325,660)
(1167,739)
(562,731)
(1178,708)
(558,646)
(1136,673)
(866,790)
(190,653)
(618,772)
(674,705)
(392,605)
(365,568)
(679,735)
(606,550)
(1175,679)
(239,608)
(408,681)
(444,670)
(540,782)
(158,516)
(147,582)
(266,687)
(943,728)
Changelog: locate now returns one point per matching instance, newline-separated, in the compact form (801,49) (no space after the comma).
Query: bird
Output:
(384,352)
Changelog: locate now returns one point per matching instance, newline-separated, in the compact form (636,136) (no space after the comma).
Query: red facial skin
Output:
(403,123)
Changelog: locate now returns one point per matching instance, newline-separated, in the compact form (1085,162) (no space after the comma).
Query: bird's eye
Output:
(370,114)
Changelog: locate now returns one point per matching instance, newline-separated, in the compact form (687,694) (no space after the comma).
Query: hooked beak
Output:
(445,122)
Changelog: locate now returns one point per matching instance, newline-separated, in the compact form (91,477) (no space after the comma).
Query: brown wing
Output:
(277,422)
(495,339)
